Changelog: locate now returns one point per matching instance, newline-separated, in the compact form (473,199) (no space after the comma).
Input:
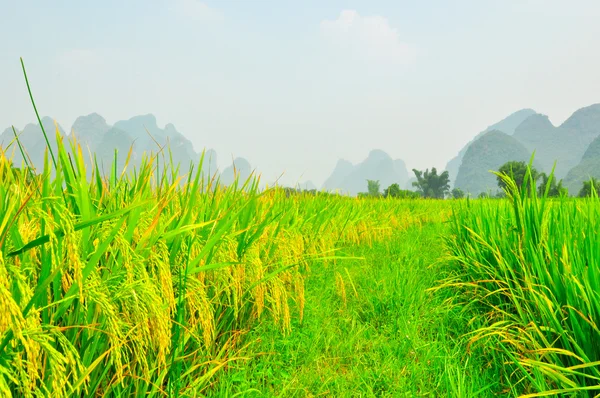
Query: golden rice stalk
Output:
(340,287)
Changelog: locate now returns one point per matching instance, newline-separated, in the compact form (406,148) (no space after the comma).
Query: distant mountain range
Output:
(99,139)
(352,179)
(506,125)
(488,152)
(31,140)
(240,168)
(589,166)
(573,145)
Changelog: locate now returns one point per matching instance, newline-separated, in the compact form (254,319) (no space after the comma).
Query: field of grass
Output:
(147,284)
(530,268)
(141,285)
(372,329)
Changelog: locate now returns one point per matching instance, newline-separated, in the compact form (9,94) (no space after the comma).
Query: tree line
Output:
(432,185)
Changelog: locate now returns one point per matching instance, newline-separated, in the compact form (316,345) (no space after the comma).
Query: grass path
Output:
(371,328)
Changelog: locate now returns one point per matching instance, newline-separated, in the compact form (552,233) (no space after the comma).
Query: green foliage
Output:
(590,188)
(297,191)
(516,170)
(394,191)
(431,185)
(373,187)
(134,284)
(548,183)
(371,324)
(131,284)
(527,270)
(457,193)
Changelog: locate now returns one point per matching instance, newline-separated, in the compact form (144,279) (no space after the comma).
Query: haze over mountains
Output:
(506,125)
(31,140)
(99,139)
(589,166)
(488,152)
(574,145)
(352,179)
(565,144)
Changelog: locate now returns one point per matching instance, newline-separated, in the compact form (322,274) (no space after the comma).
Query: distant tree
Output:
(290,191)
(394,191)
(373,187)
(484,195)
(517,171)
(430,184)
(499,194)
(458,193)
(554,190)
(586,190)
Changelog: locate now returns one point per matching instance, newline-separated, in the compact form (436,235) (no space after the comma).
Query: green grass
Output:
(149,283)
(530,268)
(383,334)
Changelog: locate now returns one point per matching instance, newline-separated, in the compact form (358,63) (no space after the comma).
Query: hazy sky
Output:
(295,85)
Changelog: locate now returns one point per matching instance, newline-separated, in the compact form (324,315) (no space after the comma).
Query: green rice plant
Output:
(144,281)
(530,268)
(134,285)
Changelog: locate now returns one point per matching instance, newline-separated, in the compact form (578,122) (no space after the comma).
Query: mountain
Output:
(240,168)
(564,144)
(141,127)
(567,145)
(586,121)
(33,142)
(506,125)
(143,134)
(147,136)
(488,152)
(89,130)
(112,140)
(402,171)
(377,166)
(342,169)
(209,163)
(97,138)
(588,167)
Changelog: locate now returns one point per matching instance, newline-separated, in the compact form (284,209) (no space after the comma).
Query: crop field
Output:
(147,284)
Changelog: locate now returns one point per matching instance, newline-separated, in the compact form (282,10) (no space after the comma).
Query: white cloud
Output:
(367,36)
(197,11)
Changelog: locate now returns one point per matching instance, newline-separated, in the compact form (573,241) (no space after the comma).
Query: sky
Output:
(293,86)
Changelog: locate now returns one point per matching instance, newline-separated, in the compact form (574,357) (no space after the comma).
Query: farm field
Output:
(148,285)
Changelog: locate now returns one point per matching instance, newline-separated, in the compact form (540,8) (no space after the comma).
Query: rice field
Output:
(157,283)
(527,270)
(143,284)
(136,284)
